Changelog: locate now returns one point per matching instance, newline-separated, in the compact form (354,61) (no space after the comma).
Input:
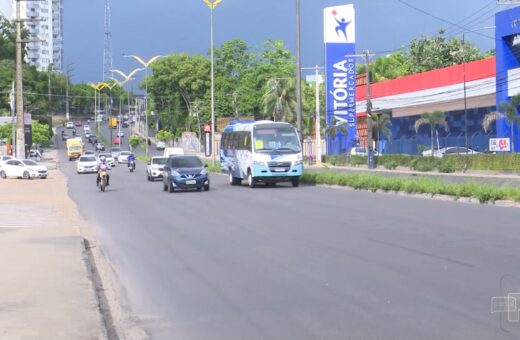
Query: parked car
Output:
(123,157)
(5,158)
(154,168)
(451,150)
(185,172)
(358,151)
(115,151)
(100,147)
(111,162)
(23,168)
(160,145)
(69,125)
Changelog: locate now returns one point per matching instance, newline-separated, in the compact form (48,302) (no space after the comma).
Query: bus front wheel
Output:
(250,180)
(234,180)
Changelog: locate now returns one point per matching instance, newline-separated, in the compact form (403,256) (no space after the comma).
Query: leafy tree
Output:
(510,114)
(428,53)
(134,141)
(280,100)
(164,136)
(380,125)
(387,67)
(432,119)
(40,133)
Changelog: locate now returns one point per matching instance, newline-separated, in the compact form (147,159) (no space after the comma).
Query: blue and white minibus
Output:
(261,152)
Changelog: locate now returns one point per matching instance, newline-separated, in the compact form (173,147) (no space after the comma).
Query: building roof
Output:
(440,89)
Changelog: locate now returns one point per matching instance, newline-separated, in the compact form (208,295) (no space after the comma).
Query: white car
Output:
(87,164)
(123,157)
(173,152)
(86,128)
(115,151)
(89,153)
(160,145)
(120,134)
(155,167)
(110,160)
(451,150)
(69,125)
(5,158)
(24,168)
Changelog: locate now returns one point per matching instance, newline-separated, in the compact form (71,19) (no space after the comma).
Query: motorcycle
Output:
(102,180)
(131,166)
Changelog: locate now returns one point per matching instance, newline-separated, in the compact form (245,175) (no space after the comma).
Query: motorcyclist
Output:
(131,159)
(103,166)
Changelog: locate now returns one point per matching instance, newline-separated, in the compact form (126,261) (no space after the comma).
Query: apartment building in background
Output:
(46,31)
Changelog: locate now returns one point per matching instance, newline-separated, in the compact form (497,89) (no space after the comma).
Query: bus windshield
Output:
(283,140)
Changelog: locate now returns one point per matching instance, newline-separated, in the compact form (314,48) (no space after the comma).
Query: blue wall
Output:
(507,57)
(406,140)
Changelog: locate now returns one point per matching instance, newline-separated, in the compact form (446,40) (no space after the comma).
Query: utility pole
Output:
(68,71)
(298,72)
(20,137)
(371,164)
(318,122)
(49,93)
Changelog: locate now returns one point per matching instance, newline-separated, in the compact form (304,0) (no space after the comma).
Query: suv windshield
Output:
(160,161)
(186,162)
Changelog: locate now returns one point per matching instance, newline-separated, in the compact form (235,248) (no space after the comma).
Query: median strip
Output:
(483,192)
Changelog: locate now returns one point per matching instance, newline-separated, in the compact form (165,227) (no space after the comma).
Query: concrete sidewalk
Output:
(46,291)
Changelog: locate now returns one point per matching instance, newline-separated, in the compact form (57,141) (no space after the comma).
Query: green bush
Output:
(446,166)
(390,164)
(423,164)
(358,160)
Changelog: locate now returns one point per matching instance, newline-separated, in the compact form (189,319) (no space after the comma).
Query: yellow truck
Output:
(74,148)
(112,122)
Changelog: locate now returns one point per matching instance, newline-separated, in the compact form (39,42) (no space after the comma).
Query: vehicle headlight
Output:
(174,173)
(203,172)
(297,162)
(260,163)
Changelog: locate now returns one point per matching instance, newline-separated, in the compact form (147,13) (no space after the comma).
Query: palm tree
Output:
(433,119)
(280,101)
(336,126)
(380,124)
(510,115)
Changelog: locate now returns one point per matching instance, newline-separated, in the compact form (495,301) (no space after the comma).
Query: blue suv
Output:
(185,172)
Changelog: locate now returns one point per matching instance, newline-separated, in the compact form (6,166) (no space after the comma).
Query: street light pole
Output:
(298,72)
(20,137)
(212,4)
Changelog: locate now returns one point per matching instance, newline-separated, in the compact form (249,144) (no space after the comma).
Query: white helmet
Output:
(102,159)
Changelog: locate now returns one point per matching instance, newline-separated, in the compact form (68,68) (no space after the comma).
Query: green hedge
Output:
(503,162)
(484,192)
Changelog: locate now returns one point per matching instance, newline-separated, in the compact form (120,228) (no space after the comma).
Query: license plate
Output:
(190,182)
(279,169)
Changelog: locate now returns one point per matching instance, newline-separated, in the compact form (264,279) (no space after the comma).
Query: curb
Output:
(446,198)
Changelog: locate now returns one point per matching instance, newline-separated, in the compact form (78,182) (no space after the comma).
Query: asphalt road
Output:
(287,263)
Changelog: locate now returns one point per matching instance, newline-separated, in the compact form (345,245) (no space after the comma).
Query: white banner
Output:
(499,144)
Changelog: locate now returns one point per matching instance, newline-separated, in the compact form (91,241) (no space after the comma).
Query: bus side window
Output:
(247,141)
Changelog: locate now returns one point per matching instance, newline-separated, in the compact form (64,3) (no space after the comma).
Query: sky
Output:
(159,27)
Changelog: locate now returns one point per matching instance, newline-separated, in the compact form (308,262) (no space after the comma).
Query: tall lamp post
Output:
(126,79)
(97,87)
(464,80)
(146,65)
(212,4)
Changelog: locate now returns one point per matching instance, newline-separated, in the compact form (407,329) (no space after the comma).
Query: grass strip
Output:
(483,192)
